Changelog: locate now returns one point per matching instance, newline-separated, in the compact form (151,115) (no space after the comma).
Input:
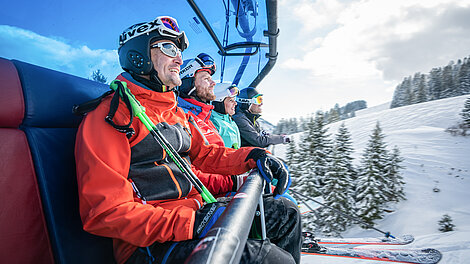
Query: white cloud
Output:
(54,53)
(339,51)
(317,15)
(369,34)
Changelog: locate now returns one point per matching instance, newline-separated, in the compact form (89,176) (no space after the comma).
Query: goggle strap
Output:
(250,101)
(192,90)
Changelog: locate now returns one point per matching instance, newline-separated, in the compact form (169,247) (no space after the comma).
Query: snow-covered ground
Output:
(433,158)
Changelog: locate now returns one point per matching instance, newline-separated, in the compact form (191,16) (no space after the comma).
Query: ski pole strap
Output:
(84,108)
(119,92)
(138,110)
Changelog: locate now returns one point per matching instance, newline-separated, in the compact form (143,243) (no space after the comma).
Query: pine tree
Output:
(420,95)
(315,149)
(98,76)
(398,97)
(395,191)
(448,81)
(333,115)
(293,126)
(445,224)
(464,77)
(466,114)
(292,160)
(307,184)
(435,84)
(370,195)
(314,152)
(338,189)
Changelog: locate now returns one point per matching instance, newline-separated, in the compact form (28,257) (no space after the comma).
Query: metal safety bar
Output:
(225,241)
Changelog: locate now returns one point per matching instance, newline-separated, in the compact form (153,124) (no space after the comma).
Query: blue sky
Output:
(330,51)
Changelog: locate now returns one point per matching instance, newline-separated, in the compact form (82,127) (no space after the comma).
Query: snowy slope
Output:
(433,158)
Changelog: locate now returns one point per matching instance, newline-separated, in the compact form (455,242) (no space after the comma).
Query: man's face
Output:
(230,103)
(204,86)
(168,68)
(255,109)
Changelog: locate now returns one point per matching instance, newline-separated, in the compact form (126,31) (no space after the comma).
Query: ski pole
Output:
(139,111)
(387,234)
(308,206)
(262,219)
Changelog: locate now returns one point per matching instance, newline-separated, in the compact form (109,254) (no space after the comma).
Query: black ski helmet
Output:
(202,62)
(134,43)
(244,97)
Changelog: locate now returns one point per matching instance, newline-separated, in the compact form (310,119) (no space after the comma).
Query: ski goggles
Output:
(168,48)
(166,27)
(257,100)
(169,28)
(233,91)
(207,63)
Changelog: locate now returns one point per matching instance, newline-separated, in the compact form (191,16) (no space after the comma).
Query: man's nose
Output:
(179,59)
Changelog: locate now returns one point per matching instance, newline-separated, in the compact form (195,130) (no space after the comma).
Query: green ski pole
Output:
(139,112)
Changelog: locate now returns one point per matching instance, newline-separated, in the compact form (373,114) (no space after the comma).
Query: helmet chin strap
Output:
(154,83)
(158,83)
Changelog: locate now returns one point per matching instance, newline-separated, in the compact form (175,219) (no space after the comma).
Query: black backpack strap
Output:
(83,109)
(129,131)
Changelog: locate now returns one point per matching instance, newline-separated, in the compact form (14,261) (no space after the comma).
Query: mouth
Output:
(175,70)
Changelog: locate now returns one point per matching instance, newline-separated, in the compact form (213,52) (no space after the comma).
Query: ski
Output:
(412,256)
(401,240)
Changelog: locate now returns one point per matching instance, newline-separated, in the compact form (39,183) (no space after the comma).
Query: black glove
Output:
(271,167)
(206,217)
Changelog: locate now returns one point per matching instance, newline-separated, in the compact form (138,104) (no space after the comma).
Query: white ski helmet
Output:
(225,89)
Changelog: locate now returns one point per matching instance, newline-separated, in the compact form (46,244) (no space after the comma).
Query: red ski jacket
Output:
(201,113)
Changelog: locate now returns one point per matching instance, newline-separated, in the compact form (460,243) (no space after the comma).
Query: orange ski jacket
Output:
(129,189)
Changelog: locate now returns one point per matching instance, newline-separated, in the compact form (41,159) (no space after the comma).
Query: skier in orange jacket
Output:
(130,190)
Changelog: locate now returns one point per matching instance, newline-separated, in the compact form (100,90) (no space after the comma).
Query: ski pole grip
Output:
(137,108)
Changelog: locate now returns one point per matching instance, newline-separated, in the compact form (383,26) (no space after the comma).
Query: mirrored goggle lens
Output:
(233,91)
(209,68)
(257,100)
(207,60)
(168,49)
(170,23)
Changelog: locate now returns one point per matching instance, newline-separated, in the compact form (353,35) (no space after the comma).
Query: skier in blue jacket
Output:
(224,108)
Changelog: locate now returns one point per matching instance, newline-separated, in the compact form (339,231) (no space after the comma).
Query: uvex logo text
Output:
(138,30)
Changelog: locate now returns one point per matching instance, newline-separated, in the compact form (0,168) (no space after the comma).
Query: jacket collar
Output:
(199,109)
(250,115)
(165,100)
(218,115)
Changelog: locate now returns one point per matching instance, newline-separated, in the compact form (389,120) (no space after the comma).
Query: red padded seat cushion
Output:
(11,95)
(23,234)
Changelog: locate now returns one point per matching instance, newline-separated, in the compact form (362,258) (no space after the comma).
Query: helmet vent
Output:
(136,59)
